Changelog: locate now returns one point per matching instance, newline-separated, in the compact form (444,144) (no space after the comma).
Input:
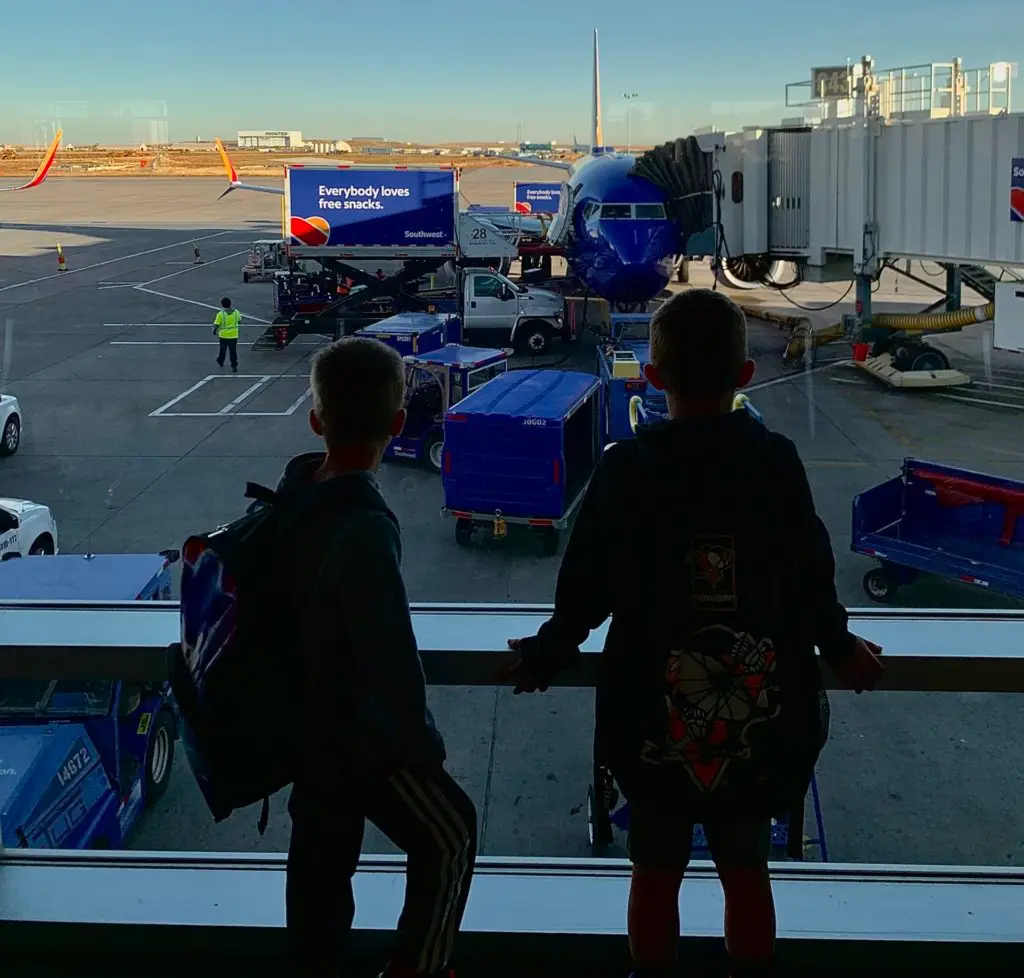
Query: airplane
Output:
(44,166)
(619,231)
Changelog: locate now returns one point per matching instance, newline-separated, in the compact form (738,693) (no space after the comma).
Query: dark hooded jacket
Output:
(366,708)
(630,558)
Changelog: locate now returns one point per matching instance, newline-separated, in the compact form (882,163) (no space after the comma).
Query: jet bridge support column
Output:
(953,288)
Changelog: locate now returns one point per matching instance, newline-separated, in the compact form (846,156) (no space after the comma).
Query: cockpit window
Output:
(649,212)
(590,210)
(616,212)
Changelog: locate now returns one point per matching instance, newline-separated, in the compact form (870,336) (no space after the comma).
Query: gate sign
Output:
(371,209)
(537,198)
(1017,190)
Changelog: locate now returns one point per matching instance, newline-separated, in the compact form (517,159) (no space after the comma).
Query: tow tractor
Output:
(81,759)
(434,382)
(267,256)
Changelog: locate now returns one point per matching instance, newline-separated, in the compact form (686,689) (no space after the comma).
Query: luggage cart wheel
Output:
(548,537)
(878,586)
(599,826)
(463,532)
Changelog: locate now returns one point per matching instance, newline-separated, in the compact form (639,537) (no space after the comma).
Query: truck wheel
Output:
(11,438)
(159,756)
(463,532)
(245,277)
(548,540)
(878,586)
(534,337)
(433,453)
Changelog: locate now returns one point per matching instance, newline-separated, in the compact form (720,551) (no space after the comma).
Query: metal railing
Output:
(518,906)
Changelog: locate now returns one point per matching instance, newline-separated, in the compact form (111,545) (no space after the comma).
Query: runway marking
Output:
(980,400)
(193,302)
(108,261)
(195,343)
(159,412)
(182,271)
(248,392)
(789,378)
(229,409)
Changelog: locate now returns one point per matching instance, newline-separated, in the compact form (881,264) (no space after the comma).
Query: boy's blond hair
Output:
(699,344)
(358,387)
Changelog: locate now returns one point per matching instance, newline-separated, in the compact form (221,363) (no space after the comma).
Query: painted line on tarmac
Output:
(196,343)
(248,392)
(182,271)
(981,400)
(193,302)
(108,261)
(789,378)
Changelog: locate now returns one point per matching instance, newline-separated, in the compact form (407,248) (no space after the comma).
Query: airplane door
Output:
(486,309)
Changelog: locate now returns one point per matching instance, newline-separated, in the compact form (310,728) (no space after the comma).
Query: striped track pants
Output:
(428,816)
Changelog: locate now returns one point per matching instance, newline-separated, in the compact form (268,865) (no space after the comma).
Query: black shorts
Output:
(660,836)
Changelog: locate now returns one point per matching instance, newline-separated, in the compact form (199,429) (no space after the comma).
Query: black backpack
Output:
(237,691)
(729,729)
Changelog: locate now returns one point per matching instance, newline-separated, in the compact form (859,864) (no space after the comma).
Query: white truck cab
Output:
(494,305)
(27,529)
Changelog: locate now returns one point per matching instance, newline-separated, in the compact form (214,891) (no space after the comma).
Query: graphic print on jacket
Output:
(722,684)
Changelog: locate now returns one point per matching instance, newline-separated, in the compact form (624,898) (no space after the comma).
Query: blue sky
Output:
(416,70)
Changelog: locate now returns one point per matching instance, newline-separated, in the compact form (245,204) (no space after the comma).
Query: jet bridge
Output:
(922,163)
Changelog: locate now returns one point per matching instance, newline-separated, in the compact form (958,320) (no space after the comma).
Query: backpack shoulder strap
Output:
(260,493)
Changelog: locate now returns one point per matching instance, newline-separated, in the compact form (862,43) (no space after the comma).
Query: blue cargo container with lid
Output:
(521,449)
(414,333)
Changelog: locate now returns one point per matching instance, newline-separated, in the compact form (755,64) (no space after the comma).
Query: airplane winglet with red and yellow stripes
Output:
(44,167)
(237,184)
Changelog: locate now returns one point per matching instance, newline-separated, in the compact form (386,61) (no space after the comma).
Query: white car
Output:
(10,424)
(26,529)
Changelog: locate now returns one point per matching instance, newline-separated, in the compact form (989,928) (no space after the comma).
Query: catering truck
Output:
(355,222)
(349,219)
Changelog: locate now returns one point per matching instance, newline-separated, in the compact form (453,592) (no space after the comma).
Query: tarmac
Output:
(135,438)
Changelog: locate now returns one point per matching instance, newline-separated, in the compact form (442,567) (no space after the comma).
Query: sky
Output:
(453,70)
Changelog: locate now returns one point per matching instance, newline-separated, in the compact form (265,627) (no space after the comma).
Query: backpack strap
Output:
(253,490)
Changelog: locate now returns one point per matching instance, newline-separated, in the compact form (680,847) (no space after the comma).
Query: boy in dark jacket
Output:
(700,540)
(371,750)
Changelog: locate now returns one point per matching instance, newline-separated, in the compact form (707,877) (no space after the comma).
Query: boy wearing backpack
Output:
(371,750)
(700,540)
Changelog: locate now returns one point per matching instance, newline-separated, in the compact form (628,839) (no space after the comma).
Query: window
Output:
(132,432)
(616,212)
(487,286)
(649,212)
(484,374)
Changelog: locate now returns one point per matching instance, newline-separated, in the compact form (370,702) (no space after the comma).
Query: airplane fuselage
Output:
(615,229)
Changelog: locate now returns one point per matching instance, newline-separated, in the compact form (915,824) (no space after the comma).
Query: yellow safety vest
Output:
(227,324)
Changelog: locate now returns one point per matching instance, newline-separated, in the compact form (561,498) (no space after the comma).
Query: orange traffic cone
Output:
(62,266)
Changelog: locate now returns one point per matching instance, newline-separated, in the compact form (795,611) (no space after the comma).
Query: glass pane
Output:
(125,427)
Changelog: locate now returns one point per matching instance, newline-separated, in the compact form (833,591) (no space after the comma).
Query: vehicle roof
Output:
(548,394)
(405,322)
(76,577)
(454,355)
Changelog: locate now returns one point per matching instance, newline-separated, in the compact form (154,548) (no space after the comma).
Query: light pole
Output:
(629,98)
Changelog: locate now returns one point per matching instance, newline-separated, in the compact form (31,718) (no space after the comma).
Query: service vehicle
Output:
(434,381)
(944,521)
(413,333)
(521,450)
(10,424)
(267,257)
(81,760)
(26,529)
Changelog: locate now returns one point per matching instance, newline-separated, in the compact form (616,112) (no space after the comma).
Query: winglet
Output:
(229,167)
(44,166)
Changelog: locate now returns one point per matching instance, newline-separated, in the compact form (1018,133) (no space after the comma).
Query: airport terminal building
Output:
(269,139)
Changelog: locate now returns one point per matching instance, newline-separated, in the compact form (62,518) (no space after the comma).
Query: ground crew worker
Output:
(225,325)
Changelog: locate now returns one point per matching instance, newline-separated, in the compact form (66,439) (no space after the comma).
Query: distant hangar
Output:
(289,139)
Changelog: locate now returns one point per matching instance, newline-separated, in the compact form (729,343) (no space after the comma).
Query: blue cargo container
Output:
(521,449)
(415,333)
(620,368)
